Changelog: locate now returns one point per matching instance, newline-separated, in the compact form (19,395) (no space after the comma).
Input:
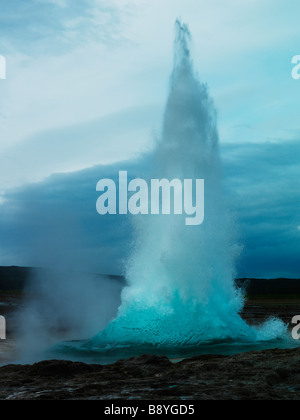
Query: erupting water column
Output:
(180,278)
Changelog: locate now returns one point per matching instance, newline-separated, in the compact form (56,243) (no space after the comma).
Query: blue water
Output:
(80,351)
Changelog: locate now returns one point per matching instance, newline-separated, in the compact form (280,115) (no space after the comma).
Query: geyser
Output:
(181,289)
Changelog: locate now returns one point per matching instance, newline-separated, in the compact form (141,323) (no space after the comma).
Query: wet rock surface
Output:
(267,375)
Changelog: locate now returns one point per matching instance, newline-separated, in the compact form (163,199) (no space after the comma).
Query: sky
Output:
(86,86)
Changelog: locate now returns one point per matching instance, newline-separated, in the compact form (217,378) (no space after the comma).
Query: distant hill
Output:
(16,278)
(270,287)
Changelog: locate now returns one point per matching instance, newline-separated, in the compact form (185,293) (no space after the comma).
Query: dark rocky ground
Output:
(268,375)
(265,375)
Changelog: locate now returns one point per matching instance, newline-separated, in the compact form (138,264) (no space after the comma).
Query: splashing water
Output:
(181,289)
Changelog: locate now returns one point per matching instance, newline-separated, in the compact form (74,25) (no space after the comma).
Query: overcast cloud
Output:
(86,86)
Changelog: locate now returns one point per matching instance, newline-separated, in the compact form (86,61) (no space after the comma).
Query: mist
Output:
(64,299)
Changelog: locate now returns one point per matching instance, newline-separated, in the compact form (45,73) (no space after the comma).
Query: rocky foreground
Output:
(267,375)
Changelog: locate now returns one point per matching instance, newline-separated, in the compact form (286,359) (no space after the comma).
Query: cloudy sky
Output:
(87,82)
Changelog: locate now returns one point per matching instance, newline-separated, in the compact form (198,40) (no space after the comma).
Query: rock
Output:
(249,376)
(283,373)
(58,368)
(272,379)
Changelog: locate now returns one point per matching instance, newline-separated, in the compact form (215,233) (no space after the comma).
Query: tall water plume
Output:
(181,288)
